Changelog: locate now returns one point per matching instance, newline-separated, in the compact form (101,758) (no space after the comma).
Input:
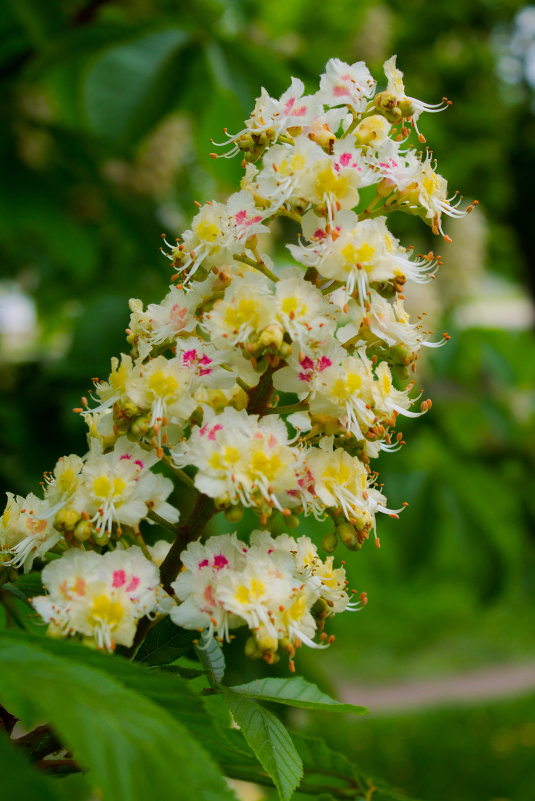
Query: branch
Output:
(203,510)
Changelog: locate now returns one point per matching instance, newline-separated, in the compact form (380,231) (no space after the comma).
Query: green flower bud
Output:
(140,426)
(292,521)
(101,537)
(329,542)
(83,530)
(234,514)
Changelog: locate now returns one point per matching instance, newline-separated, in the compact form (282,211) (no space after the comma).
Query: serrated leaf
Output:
(134,748)
(125,91)
(165,643)
(295,692)
(163,687)
(269,740)
(211,655)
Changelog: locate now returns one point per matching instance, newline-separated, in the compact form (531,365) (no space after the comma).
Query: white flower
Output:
(302,310)
(242,314)
(99,596)
(396,87)
(118,487)
(273,117)
(348,84)
(218,232)
(26,530)
(242,459)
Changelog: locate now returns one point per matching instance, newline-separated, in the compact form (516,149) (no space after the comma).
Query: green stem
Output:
(163,522)
(258,265)
(292,215)
(180,474)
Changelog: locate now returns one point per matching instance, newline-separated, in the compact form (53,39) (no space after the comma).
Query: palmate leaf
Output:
(134,748)
(295,692)
(269,740)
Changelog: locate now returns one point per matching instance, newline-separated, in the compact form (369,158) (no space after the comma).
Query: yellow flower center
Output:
(328,182)
(207,231)
(162,385)
(246,311)
(343,388)
(103,487)
(106,611)
(269,466)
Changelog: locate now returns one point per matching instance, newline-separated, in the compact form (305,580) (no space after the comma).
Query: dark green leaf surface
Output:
(295,692)
(165,643)
(134,748)
(269,740)
(19,780)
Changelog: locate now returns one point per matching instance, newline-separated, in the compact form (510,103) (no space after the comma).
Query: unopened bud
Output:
(349,536)
(329,542)
(234,514)
(387,105)
(271,335)
(66,519)
(83,530)
(285,350)
(323,136)
(292,521)
(140,426)
(101,537)
(372,130)
(252,650)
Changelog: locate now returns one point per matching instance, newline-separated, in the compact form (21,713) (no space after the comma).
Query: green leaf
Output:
(295,692)
(19,780)
(165,643)
(30,584)
(134,748)
(211,655)
(269,740)
(326,769)
(127,88)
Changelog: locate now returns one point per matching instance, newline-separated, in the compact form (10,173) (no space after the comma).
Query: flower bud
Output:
(387,105)
(271,335)
(66,519)
(234,514)
(292,521)
(285,350)
(140,426)
(101,537)
(83,530)
(372,130)
(251,649)
(323,137)
(349,536)
(329,542)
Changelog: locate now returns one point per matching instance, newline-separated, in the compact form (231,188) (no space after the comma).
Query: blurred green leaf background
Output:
(108,107)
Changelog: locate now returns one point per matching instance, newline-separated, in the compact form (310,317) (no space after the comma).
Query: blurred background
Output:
(107,110)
